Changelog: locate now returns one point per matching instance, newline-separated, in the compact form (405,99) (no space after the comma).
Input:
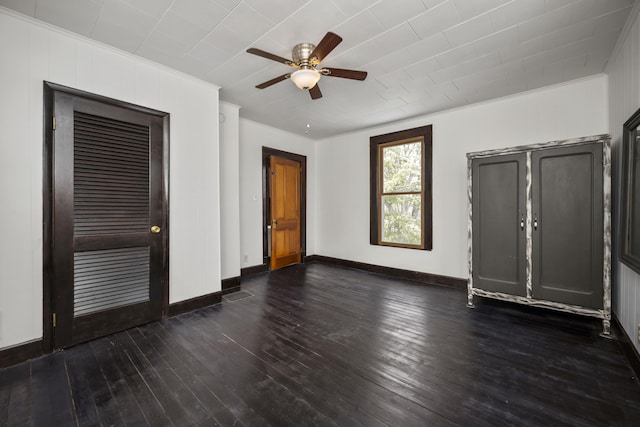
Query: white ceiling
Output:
(422,56)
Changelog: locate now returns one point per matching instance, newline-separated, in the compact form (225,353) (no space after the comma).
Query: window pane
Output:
(401,219)
(402,167)
(634,221)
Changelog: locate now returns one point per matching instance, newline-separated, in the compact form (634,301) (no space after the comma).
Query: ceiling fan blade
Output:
(273,81)
(346,74)
(326,45)
(271,56)
(315,92)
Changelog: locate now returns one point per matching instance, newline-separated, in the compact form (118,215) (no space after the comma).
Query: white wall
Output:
(624,100)
(230,189)
(31,52)
(574,109)
(254,136)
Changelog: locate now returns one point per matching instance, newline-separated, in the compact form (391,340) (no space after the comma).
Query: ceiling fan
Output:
(306,58)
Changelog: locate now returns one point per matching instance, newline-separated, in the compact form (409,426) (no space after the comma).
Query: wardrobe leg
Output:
(606,329)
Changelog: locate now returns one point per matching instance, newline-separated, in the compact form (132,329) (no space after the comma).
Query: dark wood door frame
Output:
(266,207)
(49,90)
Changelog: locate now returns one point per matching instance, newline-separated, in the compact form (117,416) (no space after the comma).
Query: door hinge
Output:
(54,123)
(54,320)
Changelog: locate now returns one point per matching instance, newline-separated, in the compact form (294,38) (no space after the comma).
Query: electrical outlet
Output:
(638,332)
(245,258)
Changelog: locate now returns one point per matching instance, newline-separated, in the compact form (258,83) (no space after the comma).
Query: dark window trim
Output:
(628,198)
(425,133)
(267,152)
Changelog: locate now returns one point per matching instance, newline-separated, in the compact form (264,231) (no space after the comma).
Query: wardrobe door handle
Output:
(522,222)
(535,222)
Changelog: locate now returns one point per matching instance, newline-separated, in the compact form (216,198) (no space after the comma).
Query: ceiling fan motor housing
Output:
(301,55)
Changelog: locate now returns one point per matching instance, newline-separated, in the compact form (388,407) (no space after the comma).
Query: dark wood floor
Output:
(325,345)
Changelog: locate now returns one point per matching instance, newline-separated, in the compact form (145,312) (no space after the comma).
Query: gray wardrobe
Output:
(540,225)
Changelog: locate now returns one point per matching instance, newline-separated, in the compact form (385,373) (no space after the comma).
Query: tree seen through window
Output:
(402,193)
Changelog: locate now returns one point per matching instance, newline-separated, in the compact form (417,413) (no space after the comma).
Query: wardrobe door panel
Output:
(567,233)
(498,215)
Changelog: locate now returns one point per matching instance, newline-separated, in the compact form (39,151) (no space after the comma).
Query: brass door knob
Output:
(155,229)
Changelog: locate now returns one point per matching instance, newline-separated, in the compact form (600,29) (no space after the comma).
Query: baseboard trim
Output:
(627,346)
(256,269)
(310,258)
(230,285)
(20,353)
(196,303)
(428,278)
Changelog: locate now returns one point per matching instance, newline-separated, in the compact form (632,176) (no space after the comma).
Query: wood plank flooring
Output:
(321,345)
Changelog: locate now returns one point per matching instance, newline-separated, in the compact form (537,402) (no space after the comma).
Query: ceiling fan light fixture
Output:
(305,78)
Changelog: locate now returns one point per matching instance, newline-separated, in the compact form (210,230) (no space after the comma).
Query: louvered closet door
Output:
(108,257)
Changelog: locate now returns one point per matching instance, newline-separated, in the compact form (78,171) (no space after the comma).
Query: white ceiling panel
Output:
(394,93)
(275,10)
(159,45)
(246,23)
(227,4)
(423,68)
(457,55)
(431,46)
(433,3)
(179,28)
(389,14)
(570,34)
(26,7)
(209,54)
(611,22)
(397,77)
(233,41)
(203,13)
(522,50)
(348,7)
(122,26)
(559,53)
(516,11)
(495,42)
(308,24)
(588,9)
(389,63)
(551,21)
(155,8)
(435,20)
(79,16)
(470,9)
(422,55)
(469,31)
(394,39)
(357,29)
(550,5)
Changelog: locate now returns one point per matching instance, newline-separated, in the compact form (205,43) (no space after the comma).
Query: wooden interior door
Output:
(109,236)
(499,223)
(285,212)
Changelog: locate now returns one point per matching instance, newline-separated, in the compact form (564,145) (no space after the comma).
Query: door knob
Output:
(155,229)
(275,222)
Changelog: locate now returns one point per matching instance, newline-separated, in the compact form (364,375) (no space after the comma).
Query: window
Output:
(401,189)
